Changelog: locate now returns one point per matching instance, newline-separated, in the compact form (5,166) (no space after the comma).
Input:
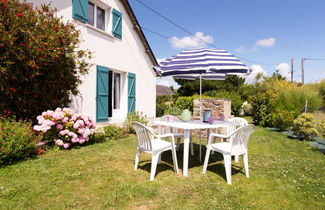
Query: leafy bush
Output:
(43,50)
(114,132)
(162,103)
(247,107)
(323,129)
(262,107)
(236,101)
(282,119)
(184,102)
(17,140)
(65,128)
(134,117)
(173,110)
(305,127)
(294,99)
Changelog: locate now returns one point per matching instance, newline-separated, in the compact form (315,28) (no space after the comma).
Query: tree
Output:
(189,87)
(40,63)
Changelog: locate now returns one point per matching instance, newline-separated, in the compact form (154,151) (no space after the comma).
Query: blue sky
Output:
(267,32)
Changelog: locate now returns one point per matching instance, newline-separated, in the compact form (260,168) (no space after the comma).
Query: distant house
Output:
(163,90)
(122,79)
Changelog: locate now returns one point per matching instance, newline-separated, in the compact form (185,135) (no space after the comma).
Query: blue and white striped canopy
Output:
(214,64)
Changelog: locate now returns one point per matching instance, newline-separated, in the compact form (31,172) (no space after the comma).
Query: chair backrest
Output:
(169,118)
(145,136)
(240,139)
(240,120)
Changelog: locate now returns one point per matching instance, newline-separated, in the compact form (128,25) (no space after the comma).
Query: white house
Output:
(122,79)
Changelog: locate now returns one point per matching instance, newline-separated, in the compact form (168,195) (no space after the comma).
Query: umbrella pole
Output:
(200,97)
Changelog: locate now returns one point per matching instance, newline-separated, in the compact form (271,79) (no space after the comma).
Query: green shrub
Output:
(17,140)
(173,110)
(134,117)
(44,51)
(162,103)
(262,108)
(247,107)
(323,129)
(294,99)
(282,119)
(305,127)
(184,102)
(113,132)
(236,101)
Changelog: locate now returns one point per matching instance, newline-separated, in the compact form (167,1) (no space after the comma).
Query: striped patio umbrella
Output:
(204,63)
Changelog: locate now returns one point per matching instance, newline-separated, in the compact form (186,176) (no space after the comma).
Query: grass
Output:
(284,174)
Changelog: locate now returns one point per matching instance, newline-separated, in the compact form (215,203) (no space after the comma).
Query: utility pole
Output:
(302,71)
(292,70)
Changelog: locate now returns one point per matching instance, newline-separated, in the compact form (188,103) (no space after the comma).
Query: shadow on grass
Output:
(215,160)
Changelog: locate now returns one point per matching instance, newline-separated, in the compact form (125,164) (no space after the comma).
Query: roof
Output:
(163,90)
(139,31)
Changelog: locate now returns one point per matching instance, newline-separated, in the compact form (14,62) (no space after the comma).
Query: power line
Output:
(315,59)
(187,31)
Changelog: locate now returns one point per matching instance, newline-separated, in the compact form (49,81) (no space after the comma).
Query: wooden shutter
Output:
(102,94)
(117,24)
(80,10)
(131,92)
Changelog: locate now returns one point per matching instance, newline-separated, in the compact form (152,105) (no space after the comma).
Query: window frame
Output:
(107,9)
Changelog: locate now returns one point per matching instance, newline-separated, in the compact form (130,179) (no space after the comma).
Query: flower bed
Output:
(65,128)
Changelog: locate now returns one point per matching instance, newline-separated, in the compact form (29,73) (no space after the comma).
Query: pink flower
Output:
(66,145)
(59,126)
(59,142)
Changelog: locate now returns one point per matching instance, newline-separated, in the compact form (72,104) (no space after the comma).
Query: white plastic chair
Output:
(231,129)
(237,145)
(151,143)
(177,135)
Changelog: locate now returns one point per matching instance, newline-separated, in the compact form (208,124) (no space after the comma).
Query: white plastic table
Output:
(188,127)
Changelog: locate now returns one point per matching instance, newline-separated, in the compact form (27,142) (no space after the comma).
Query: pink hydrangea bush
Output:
(65,128)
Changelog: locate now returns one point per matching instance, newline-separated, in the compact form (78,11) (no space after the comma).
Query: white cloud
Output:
(257,70)
(167,81)
(242,49)
(261,43)
(269,42)
(283,69)
(191,42)
(160,59)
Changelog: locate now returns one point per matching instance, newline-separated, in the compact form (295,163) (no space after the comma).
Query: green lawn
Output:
(284,174)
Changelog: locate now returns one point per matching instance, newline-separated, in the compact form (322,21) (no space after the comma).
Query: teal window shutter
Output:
(102,94)
(117,24)
(131,92)
(80,10)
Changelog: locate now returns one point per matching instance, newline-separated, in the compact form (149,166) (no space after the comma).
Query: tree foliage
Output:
(40,63)
(190,87)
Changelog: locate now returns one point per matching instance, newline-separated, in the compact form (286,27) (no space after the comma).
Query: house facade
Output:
(121,79)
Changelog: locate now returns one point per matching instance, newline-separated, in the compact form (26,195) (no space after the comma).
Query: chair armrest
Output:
(220,135)
(165,135)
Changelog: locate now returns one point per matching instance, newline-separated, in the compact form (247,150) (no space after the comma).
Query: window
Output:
(91,13)
(117,90)
(97,16)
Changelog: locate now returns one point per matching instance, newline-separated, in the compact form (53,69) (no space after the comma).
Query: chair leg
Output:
(206,160)
(159,159)
(246,164)
(227,162)
(137,159)
(154,161)
(174,159)
(236,158)
(191,146)
(178,143)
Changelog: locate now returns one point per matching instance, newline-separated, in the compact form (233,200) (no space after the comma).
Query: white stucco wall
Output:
(123,55)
